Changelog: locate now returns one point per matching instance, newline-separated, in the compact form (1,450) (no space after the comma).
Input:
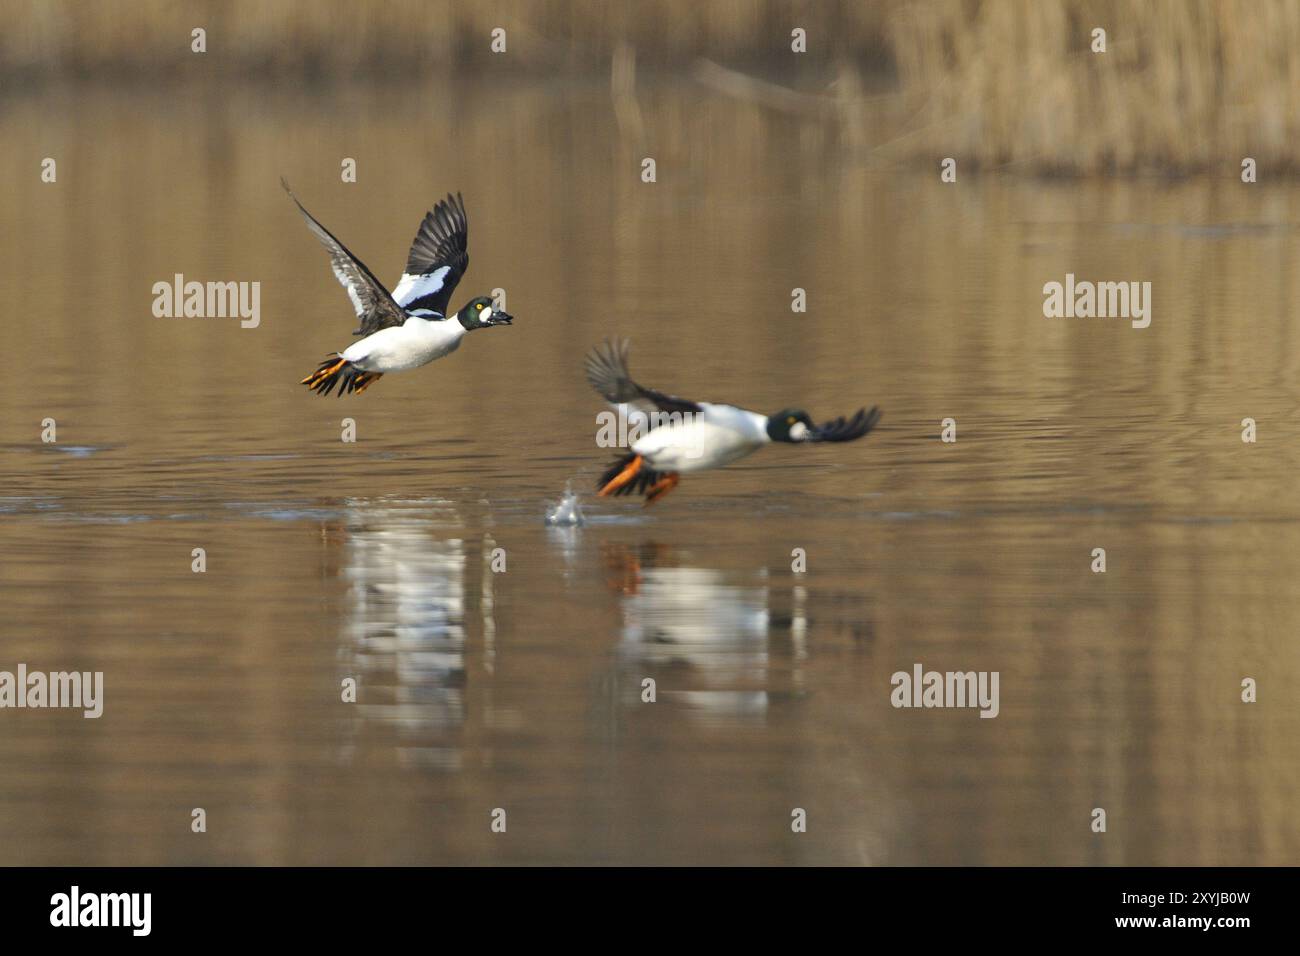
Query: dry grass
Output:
(1186,85)
(415,36)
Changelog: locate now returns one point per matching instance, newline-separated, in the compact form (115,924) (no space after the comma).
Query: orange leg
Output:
(622,478)
(321,374)
(367,379)
(661,487)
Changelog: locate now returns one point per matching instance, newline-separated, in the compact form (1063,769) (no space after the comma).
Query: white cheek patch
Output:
(485,315)
(799,431)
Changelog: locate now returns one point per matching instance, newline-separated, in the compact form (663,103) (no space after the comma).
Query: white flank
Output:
(397,349)
(718,435)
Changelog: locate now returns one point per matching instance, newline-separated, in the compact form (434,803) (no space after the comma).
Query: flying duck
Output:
(409,327)
(685,436)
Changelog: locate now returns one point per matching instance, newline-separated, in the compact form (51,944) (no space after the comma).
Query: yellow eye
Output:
(479,306)
(790,420)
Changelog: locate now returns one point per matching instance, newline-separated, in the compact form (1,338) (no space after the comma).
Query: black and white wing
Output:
(375,307)
(607,372)
(439,257)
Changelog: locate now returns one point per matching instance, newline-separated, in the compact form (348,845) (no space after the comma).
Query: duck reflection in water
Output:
(404,637)
(706,635)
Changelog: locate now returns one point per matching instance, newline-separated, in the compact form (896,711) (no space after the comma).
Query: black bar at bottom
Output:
(369,905)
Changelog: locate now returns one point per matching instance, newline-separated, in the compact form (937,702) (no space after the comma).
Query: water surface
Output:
(522,690)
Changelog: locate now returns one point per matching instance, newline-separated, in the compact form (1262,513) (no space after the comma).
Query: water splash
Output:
(566,514)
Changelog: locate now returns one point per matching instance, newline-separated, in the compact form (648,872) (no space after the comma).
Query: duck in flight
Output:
(685,436)
(410,326)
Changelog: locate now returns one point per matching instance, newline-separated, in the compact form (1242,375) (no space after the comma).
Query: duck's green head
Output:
(479,314)
(790,424)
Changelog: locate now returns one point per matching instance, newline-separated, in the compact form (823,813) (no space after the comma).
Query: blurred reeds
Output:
(1184,86)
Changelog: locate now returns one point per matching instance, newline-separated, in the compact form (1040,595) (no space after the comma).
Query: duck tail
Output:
(630,475)
(336,370)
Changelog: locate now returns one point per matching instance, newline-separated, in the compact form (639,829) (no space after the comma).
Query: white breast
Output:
(716,436)
(396,349)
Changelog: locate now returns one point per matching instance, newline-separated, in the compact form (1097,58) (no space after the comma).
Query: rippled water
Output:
(522,689)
